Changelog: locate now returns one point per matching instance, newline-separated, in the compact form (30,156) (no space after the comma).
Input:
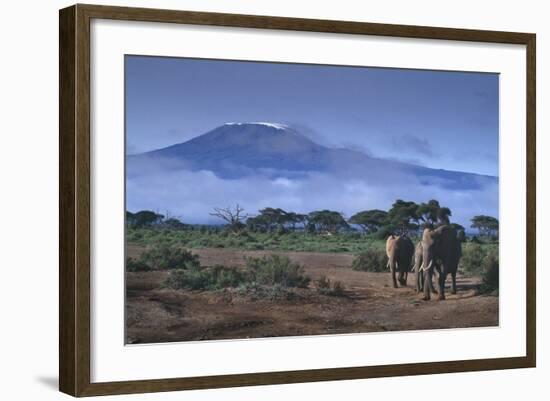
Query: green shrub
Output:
(192,278)
(490,281)
(326,287)
(472,258)
(475,240)
(276,270)
(163,256)
(265,277)
(255,247)
(273,293)
(370,260)
(198,237)
(133,236)
(228,276)
(205,278)
(136,265)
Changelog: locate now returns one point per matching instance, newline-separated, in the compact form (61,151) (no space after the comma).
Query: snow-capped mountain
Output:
(236,150)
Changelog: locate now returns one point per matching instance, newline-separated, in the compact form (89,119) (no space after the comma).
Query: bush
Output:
(490,281)
(228,276)
(162,256)
(193,279)
(266,277)
(136,265)
(273,293)
(370,260)
(472,258)
(276,270)
(255,247)
(205,278)
(326,287)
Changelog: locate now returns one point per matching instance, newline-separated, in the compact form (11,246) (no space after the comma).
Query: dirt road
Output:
(156,314)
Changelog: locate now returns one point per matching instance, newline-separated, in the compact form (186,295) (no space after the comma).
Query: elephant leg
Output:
(453,283)
(427,276)
(431,284)
(419,280)
(392,269)
(401,277)
(436,272)
(442,278)
(406,277)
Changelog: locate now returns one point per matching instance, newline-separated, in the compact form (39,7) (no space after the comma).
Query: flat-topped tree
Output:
(275,217)
(143,218)
(258,223)
(403,215)
(486,225)
(369,220)
(432,213)
(427,211)
(327,221)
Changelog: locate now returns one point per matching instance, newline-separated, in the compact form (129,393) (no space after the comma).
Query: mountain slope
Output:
(236,150)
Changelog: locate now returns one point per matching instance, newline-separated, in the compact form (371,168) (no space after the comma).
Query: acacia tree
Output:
(403,215)
(234,217)
(258,223)
(427,212)
(327,221)
(275,217)
(302,219)
(369,220)
(143,218)
(432,213)
(293,219)
(486,225)
(173,223)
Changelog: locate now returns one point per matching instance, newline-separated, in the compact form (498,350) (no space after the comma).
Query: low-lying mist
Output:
(191,196)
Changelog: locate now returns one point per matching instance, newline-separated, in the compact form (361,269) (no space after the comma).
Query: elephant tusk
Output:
(422,268)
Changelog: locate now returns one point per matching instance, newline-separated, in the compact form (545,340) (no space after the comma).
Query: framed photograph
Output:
(250,200)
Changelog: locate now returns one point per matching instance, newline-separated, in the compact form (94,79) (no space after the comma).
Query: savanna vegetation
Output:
(279,272)
(168,241)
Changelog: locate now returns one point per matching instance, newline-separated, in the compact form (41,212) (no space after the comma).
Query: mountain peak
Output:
(237,149)
(266,124)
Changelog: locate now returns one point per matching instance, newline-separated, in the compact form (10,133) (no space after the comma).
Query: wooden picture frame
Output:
(74,204)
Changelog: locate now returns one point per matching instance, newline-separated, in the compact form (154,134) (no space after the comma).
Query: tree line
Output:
(402,218)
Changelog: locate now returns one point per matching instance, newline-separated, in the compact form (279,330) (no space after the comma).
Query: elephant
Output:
(441,249)
(419,272)
(400,250)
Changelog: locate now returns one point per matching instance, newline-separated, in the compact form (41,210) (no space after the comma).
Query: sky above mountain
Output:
(436,119)
(340,138)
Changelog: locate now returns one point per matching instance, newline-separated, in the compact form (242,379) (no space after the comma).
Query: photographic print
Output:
(268,199)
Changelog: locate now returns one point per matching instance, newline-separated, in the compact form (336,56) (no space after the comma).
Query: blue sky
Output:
(438,119)
(446,120)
